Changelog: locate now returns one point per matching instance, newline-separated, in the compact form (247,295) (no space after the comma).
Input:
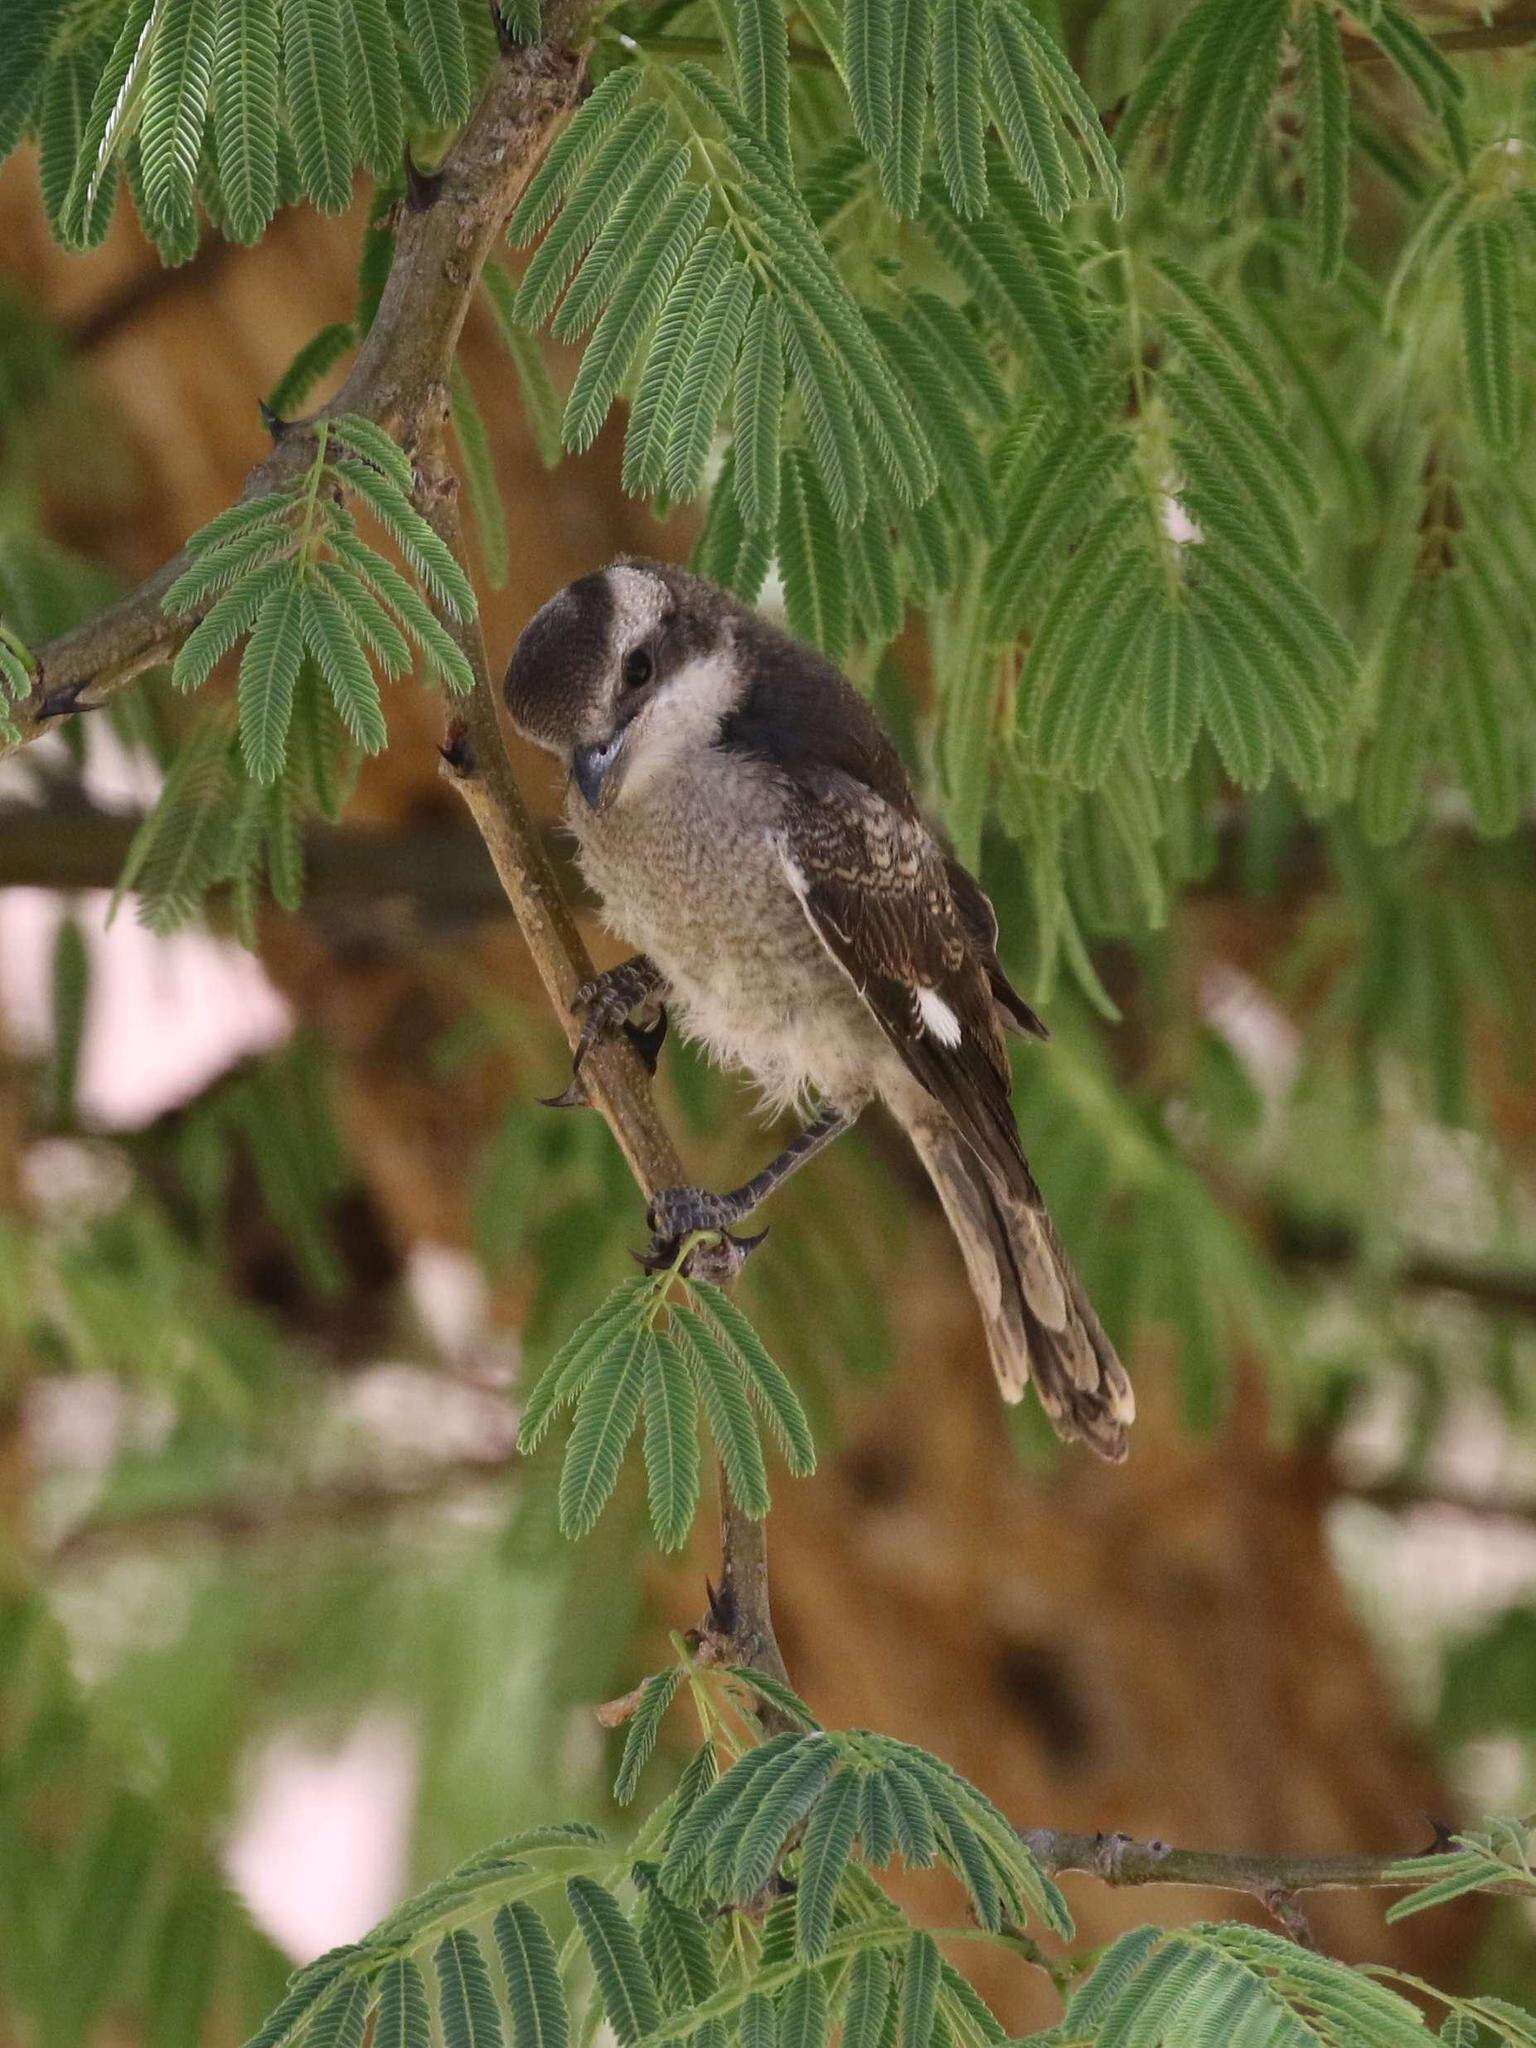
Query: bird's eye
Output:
(637,668)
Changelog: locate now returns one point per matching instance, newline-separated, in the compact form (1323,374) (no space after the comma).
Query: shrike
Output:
(748,826)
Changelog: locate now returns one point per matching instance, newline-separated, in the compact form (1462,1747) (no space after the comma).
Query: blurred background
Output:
(285,1627)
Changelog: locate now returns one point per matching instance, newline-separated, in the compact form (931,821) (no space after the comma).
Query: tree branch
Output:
(1271,1879)
(399,378)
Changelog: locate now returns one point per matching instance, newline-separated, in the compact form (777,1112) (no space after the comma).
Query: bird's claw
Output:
(647,1040)
(676,1214)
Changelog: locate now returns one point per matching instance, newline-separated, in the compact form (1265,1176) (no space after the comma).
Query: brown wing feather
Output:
(877,889)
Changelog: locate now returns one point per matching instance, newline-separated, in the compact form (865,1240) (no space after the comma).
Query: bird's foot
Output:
(676,1214)
(604,1005)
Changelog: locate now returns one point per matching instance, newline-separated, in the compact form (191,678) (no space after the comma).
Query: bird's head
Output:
(625,672)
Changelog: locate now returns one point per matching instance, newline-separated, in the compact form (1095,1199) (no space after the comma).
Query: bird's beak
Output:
(592,770)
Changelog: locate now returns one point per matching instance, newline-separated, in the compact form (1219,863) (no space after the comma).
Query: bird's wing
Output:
(877,890)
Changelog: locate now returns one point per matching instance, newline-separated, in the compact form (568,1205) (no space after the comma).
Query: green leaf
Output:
(656,1696)
(535,1995)
(268,672)
(1171,705)
(606,1413)
(706,380)
(611,350)
(766,1382)
(901,158)
(23,60)
(329,635)
(1485,268)
(1325,96)
(919,1992)
(782,1807)
(87,208)
(443,653)
(868,40)
(466,2003)
(957,104)
(245,117)
(541,405)
(437,37)
(815,592)
(314,71)
(593,122)
(229,619)
(375,95)
(422,546)
(830,423)
(318,355)
(870,1991)
(759,413)
(759,2023)
(480,477)
(762,68)
(1023,114)
(1481,726)
(824,1857)
(606,262)
(722,1389)
(631,143)
(629,1997)
(175,106)
(802,2012)
(1064,86)
(777,1694)
(654,408)
(671,1444)
(402,2018)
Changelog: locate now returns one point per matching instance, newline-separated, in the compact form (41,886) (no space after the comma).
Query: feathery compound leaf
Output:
(1480,725)
(722,1390)
(1065,87)
(1485,265)
(535,1995)
(762,67)
(957,105)
(437,37)
(919,1991)
(612,168)
(868,37)
(443,653)
(953,340)
(901,156)
(1171,706)
(759,2023)
(1245,85)
(1233,710)
(656,1696)
(87,207)
(706,380)
(804,2020)
(22,62)
(610,255)
(654,408)
(374,94)
(402,2020)
(870,1990)
(1325,95)
(833,431)
(175,104)
(759,411)
(765,1380)
(780,1810)
(824,1857)
(422,546)
(612,347)
(245,118)
(232,617)
(268,672)
(990,257)
(381,449)
(698,1824)
(314,71)
(930,389)
(1023,114)
(589,126)
(541,405)
(606,1413)
(815,594)
(671,1445)
(877,1819)
(340,2021)
(465,2001)
(629,1996)
(368,618)
(480,477)
(777,1694)
(318,355)
(305,1990)
(329,635)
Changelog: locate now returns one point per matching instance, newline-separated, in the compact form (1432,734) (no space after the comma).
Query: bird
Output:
(744,821)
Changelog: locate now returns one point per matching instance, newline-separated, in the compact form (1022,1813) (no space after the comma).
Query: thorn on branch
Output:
(421,187)
(1285,1909)
(65,701)
(274,422)
(458,750)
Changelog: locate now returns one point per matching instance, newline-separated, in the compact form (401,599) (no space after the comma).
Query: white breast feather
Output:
(938,1018)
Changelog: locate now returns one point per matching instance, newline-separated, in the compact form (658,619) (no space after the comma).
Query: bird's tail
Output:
(1040,1324)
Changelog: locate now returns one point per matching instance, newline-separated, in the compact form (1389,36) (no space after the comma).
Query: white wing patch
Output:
(939,1020)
